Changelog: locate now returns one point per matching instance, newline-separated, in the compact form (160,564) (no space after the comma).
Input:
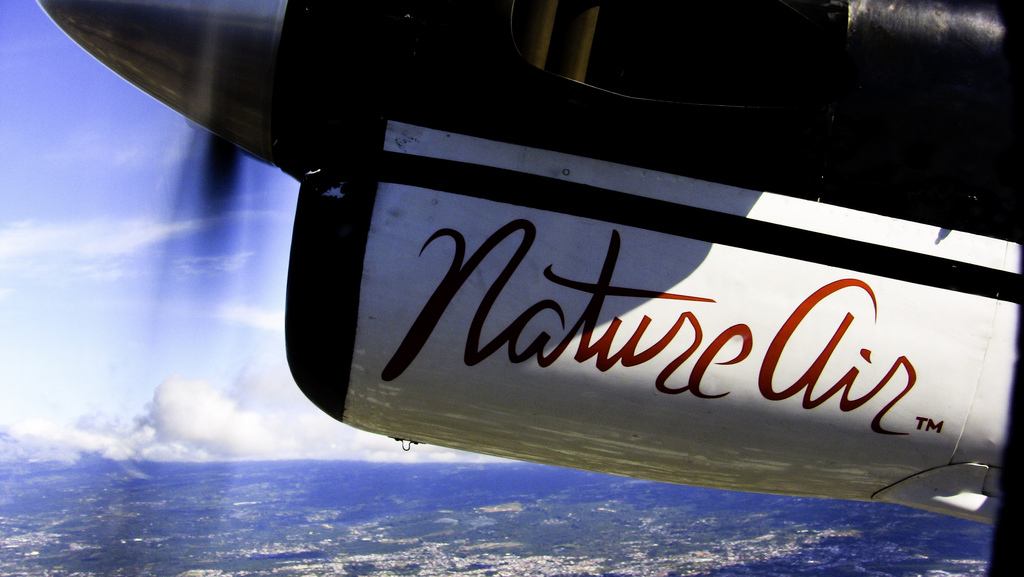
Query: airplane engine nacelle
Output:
(553,308)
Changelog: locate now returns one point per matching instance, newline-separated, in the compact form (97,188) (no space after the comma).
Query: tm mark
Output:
(930,426)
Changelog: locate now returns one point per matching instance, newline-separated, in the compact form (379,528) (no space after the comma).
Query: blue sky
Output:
(124,331)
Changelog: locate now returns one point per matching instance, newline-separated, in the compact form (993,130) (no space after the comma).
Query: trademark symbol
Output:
(929,425)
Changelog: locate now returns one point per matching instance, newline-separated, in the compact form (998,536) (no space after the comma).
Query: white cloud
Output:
(199,265)
(99,143)
(263,417)
(97,249)
(85,239)
(105,250)
(250,316)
